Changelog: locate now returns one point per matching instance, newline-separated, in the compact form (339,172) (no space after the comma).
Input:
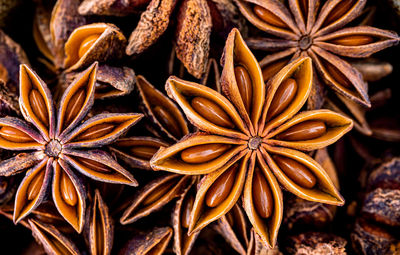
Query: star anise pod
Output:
(249,138)
(305,29)
(58,143)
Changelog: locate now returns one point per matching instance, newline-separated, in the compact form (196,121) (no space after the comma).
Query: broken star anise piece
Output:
(304,29)
(58,144)
(250,139)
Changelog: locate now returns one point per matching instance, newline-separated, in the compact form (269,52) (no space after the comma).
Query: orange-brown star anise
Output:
(306,29)
(250,139)
(59,143)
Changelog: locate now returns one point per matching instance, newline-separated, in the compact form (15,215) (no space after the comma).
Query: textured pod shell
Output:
(110,7)
(109,45)
(36,143)
(41,31)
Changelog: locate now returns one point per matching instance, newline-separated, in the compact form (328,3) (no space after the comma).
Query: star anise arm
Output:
(262,200)
(76,101)
(198,153)
(16,134)
(32,189)
(36,102)
(218,192)
(69,195)
(98,165)
(310,130)
(357,42)
(269,44)
(20,162)
(304,13)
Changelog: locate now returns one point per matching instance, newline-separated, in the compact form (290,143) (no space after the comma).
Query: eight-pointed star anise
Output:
(305,29)
(59,143)
(250,137)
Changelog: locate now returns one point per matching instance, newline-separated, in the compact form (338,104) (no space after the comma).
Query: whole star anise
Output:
(305,29)
(59,143)
(250,138)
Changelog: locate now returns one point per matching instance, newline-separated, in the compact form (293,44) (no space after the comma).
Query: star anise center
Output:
(53,148)
(254,142)
(305,42)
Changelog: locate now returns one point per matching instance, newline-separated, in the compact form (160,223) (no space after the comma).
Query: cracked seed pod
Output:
(111,81)
(111,7)
(153,242)
(250,138)
(137,151)
(161,111)
(94,42)
(257,247)
(153,197)
(52,240)
(59,145)
(183,243)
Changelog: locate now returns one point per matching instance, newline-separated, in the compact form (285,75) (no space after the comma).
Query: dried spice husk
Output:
(372,69)
(316,243)
(99,227)
(106,43)
(161,111)
(52,240)
(8,103)
(111,7)
(257,247)
(41,31)
(154,196)
(64,20)
(111,81)
(183,243)
(151,242)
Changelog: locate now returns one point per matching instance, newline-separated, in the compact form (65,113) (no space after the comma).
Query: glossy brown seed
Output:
(168,121)
(262,195)
(245,86)
(211,112)
(186,210)
(38,106)
(270,70)
(338,11)
(87,43)
(143,152)
(353,40)
(94,165)
(34,187)
(74,106)
(67,188)
(268,16)
(296,172)
(221,188)
(14,135)
(203,153)
(304,131)
(337,75)
(284,95)
(159,192)
(96,131)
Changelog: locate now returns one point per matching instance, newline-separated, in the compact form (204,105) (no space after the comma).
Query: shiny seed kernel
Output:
(268,16)
(245,86)
(262,195)
(96,131)
(34,187)
(156,194)
(306,130)
(68,192)
(143,152)
(338,11)
(221,188)
(74,106)
(87,43)
(168,121)
(203,153)
(353,40)
(38,106)
(337,75)
(94,165)
(296,171)
(284,95)
(14,135)
(211,112)
(186,210)
(270,70)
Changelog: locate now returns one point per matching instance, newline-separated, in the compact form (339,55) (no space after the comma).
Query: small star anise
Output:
(250,137)
(59,143)
(304,29)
